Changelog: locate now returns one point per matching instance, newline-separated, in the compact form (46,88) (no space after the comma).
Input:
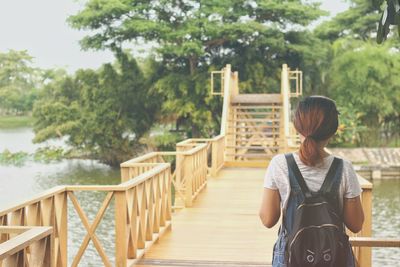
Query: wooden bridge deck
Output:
(222,228)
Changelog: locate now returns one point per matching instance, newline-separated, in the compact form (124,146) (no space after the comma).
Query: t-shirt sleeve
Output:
(270,175)
(352,185)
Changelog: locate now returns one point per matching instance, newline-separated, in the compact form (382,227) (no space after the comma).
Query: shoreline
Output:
(372,163)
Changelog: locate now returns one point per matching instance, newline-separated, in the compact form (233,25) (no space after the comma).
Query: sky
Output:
(40,27)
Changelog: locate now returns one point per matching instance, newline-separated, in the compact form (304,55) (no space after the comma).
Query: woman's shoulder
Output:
(279,161)
(347,164)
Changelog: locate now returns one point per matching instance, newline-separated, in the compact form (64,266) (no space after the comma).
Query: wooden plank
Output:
(260,147)
(249,164)
(219,227)
(23,240)
(255,120)
(244,107)
(199,263)
(374,242)
(252,127)
(266,134)
(46,194)
(257,98)
(251,155)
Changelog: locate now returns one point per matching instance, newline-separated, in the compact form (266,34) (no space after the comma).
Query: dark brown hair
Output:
(316,119)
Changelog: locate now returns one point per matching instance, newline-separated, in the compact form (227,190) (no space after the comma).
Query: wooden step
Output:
(250,155)
(256,107)
(261,163)
(257,113)
(255,120)
(250,134)
(253,130)
(197,263)
(251,127)
(257,98)
(243,139)
(254,147)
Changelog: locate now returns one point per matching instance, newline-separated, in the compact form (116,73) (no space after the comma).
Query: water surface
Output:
(20,183)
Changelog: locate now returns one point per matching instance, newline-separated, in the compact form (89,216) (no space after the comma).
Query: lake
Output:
(23,182)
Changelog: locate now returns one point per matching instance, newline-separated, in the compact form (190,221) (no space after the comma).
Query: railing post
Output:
(284,120)
(227,98)
(214,158)
(180,175)
(120,229)
(364,255)
(61,209)
(124,174)
(188,171)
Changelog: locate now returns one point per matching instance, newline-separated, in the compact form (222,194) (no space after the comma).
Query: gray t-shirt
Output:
(277,177)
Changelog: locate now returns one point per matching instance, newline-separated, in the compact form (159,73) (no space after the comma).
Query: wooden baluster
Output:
(142,206)
(15,260)
(150,209)
(120,229)
(125,174)
(132,205)
(61,230)
(188,167)
(364,253)
(3,222)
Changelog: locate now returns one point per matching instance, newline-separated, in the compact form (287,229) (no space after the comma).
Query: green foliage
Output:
(49,154)
(9,158)
(163,141)
(350,128)
(358,22)
(18,82)
(365,79)
(104,112)
(194,37)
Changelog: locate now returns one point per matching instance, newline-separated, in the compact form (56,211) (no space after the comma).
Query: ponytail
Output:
(309,153)
(316,119)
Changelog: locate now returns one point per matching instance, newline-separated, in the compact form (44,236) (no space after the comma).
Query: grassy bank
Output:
(15,121)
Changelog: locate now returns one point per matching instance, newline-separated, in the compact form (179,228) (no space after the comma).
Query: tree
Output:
(193,37)
(358,22)
(365,80)
(18,82)
(103,113)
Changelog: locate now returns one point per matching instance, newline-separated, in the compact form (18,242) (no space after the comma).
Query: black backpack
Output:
(317,238)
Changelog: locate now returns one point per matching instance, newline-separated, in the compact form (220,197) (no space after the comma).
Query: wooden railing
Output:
(142,210)
(26,246)
(142,214)
(217,147)
(47,209)
(363,255)
(191,166)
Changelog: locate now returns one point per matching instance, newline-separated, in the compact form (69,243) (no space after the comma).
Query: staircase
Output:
(256,126)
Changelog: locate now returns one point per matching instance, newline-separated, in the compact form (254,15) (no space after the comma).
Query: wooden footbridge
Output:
(196,206)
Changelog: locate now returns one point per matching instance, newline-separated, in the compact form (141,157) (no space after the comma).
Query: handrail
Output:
(39,240)
(374,242)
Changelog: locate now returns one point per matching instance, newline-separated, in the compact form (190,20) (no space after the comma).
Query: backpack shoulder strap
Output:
(292,167)
(333,177)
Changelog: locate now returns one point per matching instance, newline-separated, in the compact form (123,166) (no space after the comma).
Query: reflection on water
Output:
(386,220)
(20,183)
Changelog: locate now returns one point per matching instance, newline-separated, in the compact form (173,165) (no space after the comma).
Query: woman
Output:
(316,120)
